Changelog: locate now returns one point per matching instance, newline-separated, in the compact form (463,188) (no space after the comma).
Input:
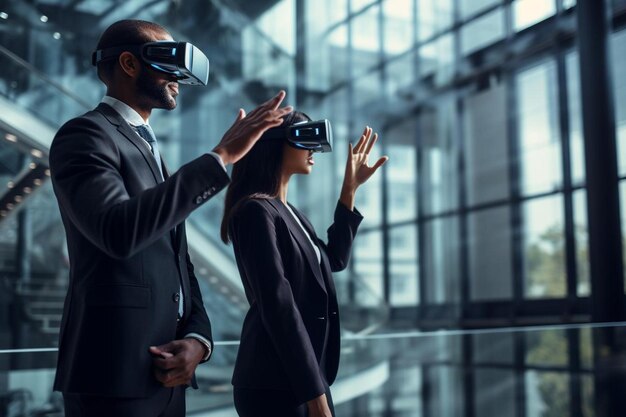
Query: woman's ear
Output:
(130,64)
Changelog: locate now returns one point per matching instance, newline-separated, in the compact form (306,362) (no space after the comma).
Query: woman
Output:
(289,351)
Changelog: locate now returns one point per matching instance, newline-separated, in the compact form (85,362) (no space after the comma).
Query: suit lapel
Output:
(298,234)
(124,128)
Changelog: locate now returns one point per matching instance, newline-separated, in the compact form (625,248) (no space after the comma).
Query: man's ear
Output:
(129,64)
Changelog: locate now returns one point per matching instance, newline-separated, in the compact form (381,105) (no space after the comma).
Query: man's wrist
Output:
(222,154)
(204,343)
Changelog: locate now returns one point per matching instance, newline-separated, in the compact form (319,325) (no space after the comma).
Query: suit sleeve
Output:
(340,237)
(87,178)
(255,241)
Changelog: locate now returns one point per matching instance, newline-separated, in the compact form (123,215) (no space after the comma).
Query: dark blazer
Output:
(128,254)
(293,319)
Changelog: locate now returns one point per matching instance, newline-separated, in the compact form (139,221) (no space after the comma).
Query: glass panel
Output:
(365,41)
(471,7)
(337,52)
(401,78)
(528,12)
(544,248)
(482,32)
(546,347)
(368,268)
(489,349)
(436,61)
(398,15)
(539,136)
(622,205)
(489,244)
(550,394)
(577,146)
(486,146)
(618,52)
(446,392)
(404,280)
(569,3)
(356,5)
(495,392)
(441,260)
(581,233)
(439,152)
(401,174)
(433,16)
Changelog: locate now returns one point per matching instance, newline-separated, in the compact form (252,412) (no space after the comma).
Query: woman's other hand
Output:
(357,169)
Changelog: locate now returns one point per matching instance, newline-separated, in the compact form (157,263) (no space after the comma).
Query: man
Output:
(134,327)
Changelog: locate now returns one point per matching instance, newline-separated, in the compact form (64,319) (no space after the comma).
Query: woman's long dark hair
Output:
(257,175)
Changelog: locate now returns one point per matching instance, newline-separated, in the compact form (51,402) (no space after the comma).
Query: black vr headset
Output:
(316,136)
(179,59)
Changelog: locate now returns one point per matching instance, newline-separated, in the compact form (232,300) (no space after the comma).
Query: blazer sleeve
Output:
(340,237)
(87,178)
(255,240)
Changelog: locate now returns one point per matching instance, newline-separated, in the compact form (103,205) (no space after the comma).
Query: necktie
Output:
(145,131)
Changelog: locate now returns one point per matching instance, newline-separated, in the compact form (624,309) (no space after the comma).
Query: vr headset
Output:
(316,136)
(179,59)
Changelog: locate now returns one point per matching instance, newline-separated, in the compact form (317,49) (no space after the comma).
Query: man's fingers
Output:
(278,98)
(240,115)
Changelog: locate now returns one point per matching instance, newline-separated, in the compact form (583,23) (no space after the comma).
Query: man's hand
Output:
(247,130)
(175,362)
(318,407)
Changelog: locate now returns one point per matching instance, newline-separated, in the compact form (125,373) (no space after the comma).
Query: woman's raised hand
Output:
(358,170)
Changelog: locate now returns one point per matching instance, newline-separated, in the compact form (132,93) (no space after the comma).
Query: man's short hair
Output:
(123,32)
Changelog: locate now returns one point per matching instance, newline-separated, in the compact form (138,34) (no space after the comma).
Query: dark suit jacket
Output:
(293,319)
(128,254)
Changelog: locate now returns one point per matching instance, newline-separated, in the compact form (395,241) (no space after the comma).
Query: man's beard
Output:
(157,94)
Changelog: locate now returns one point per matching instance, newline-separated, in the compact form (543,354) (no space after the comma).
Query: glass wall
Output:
(478,221)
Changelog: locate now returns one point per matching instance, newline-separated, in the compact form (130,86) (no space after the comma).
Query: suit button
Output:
(205,195)
(176,297)
(199,200)
(212,189)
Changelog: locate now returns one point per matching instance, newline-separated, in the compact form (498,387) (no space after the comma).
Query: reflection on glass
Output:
(482,31)
(539,137)
(546,347)
(445,391)
(581,234)
(356,5)
(368,268)
(548,394)
(486,146)
(489,245)
(569,3)
(585,346)
(439,165)
(436,60)
(401,180)
(618,58)
(622,205)
(365,40)
(441,260)
(495,392)
(577,149)
(544,248)
(433,16)
(400,79)
(468,8)
(337,41)
(528,12)
(398,21)
(489,349)
(404,288)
